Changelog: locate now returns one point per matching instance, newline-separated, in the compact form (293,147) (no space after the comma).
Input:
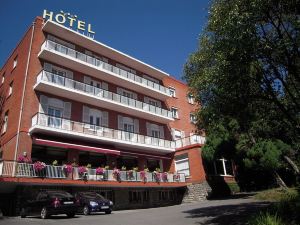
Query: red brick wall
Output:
(197,173)
(181,102)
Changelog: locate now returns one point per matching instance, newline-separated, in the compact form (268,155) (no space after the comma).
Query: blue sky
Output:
(161,33)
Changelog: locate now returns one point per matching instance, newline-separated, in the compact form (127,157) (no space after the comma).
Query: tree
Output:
(246,76)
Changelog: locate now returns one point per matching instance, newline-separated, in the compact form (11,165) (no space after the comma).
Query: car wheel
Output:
(108,212)
(44,213)
(71,215)
(86,210)
(23,213)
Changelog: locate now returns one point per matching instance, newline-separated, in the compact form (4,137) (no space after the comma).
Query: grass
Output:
(285,209)
(277,194)
(265,218)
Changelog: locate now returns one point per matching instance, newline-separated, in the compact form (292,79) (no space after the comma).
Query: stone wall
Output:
(197,192)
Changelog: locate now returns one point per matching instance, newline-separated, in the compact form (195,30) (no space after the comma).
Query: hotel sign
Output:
(69,20)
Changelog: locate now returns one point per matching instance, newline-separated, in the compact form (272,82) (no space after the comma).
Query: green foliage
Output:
(266,219)
(245,75)
(286,207)
(265,155)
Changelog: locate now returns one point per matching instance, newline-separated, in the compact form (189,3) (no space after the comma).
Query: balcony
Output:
(46,124)
(27,170)
(78,61)
(71,89)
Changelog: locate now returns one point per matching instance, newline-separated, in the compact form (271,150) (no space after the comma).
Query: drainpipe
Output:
(22,101)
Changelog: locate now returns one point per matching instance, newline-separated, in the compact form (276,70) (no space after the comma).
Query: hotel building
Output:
(67,99)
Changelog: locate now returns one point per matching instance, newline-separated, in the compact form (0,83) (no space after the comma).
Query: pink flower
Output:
(82,170)
(23,159)
(143,175)
(165,176)
(68,168)
(99,171)
(38,166)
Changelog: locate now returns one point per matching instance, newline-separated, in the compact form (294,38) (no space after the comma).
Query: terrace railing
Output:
(57,172)
(51,45)
(100,93)
(98,131)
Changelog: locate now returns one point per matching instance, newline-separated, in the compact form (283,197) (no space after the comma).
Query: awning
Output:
(74,146)
(145,155)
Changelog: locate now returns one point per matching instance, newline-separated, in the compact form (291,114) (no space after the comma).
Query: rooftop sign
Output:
(69,20)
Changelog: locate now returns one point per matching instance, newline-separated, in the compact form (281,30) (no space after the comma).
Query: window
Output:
(182,164)
(15,62)
(5,122)
(193,118)
(174,112)
(156,131)
(172,92)
(54,117)
(191,99)
(3,78)
(10,90)
(223,167)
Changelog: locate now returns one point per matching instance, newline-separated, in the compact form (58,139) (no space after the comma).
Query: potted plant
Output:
(157,175)
(23,159)
(39,168)
(116,174)
(54,163)
(143,174)
(82,170)
(123,168)
(68,169)
(99,172)
(164,176)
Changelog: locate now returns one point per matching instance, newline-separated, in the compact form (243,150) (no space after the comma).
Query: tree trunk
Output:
(293,165)
(279,181)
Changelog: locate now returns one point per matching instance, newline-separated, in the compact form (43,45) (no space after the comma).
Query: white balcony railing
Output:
(50,45)
(57,172)
(55,79)
(59,123)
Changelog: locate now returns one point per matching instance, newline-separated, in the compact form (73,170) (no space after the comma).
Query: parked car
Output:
(89,201)
(49,203)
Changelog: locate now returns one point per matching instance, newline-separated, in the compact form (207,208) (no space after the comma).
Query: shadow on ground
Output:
(235,214)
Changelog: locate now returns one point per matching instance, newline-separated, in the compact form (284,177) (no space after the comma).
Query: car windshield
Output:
(92,195)
(60,194)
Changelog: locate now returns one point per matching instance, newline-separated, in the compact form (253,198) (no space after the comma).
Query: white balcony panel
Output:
(77,91)
(103,71)
(43,124)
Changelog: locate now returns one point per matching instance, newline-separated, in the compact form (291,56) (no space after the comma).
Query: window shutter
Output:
(105,118)
(48,67)
(105,86)
(161,132)
(120,122)
(43,104)
(148,126)
(86,114)
(67,110)
(136,126)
